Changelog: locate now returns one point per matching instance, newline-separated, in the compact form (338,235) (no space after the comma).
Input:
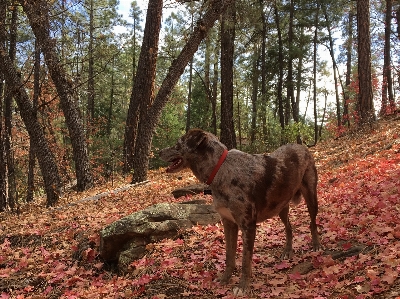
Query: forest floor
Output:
(41,253)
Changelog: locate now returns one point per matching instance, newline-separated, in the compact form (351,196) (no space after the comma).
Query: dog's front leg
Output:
(248,236)
(231,236)
(288,250)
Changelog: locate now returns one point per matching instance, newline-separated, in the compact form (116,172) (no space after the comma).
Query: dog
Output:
(248,189)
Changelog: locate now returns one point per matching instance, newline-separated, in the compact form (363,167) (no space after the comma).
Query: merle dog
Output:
(248,189)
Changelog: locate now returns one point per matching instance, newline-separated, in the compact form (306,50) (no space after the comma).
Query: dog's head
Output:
(194,145)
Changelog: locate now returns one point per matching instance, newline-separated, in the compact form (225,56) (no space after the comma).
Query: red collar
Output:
(216,168)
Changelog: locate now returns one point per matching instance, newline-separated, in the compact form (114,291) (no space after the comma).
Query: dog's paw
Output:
(242,288)
(224,278)
(238,292)
(287,254)
(317,245)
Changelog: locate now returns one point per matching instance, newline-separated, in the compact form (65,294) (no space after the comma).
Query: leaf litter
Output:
(53,253)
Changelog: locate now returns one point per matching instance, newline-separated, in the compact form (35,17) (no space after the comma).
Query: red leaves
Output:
(358,191)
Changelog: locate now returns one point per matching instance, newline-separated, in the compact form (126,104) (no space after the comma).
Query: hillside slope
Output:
(53,253)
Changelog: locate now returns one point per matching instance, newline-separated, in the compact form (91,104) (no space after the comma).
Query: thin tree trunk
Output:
(3,166)
(150,119)
(388,105)
(290,100)
(209,86)
(280,78)
(110,108)
(323,115)
(189,99)
(328,26)
(298,82)
(228,136)
(38,15)
(47,162)
(349,52)
(254,94)
(263,74)
(8,103)
(315,74)
(239,120)
(215,91)
(35,100)
(365,96)
(90,86)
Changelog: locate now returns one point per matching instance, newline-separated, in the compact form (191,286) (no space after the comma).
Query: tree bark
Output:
(280,75)
(35,100)
(349,52)
(90,86)
(38,15)
(228,136)
(290,100)
(47,163)
(8,108)
(334,66)
(214,90)
(315,42)
(148,121)
(388,104)
(255,76)
(3,192)
(365,96)
(263,70)
(143,89)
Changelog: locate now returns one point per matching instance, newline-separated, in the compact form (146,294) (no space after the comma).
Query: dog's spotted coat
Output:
(248,189)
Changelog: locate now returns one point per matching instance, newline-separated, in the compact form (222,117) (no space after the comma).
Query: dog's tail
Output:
(296,199)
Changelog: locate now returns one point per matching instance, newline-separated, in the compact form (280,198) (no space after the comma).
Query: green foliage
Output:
(170,127)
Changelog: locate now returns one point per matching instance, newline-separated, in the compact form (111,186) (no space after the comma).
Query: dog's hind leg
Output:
(248,237)
(309,191)
(288,250)
(231,236)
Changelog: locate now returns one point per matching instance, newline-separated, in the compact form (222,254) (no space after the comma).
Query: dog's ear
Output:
(195,138)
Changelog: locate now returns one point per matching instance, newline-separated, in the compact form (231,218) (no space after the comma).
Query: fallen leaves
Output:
(42,256)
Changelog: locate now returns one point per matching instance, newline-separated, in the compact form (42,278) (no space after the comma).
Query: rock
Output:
(189,190)
(126,239)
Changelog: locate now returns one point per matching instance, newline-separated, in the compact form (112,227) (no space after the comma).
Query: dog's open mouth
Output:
(175,164)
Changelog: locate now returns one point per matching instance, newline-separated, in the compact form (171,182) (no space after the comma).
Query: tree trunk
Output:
(150,119)
(143,88)
(228,136)
(349,51)
(8,109)
(263,103)
(38,15)
(90,86)
(45,157)
(215,91)
(281,66)
(315,42)
(387,105)
(255,76)
(323,115)
(289,81)
(209,87)
(35,100)
(299,79)
(3,173)
(111,106)
(189,100)
(365,96)
(328,26)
